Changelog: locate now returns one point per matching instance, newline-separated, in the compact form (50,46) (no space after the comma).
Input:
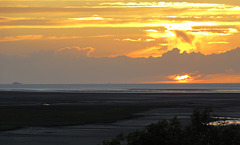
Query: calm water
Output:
(125,88)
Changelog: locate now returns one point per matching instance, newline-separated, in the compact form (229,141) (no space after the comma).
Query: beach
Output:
(88,118)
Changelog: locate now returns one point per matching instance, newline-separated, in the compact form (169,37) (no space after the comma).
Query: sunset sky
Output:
(124,41)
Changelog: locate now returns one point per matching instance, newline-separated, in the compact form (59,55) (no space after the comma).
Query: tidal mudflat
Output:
(88,118)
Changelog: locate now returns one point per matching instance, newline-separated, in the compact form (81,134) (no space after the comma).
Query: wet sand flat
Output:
(88,118)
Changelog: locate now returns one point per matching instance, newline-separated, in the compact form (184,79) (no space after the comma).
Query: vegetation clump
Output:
(198,132)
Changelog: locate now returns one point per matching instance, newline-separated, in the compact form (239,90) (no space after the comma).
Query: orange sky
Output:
(103,29)
(212,78)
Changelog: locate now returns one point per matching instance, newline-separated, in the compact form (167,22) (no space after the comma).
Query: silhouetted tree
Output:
(198,132)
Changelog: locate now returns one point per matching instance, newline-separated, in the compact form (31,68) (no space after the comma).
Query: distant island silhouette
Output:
(16,83)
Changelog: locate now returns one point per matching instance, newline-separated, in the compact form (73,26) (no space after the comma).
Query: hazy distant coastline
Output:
(124,88)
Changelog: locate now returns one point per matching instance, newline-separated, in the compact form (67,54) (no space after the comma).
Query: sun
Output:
(181,78)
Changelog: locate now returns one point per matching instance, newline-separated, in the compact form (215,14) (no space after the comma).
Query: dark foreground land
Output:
(88,118)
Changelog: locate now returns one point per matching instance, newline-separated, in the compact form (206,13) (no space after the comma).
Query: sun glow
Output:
(181,78)
(155,27)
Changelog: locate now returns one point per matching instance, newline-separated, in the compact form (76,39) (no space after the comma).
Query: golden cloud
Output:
(22,37)
(219,78)
(155,51)
(192,27)
(229,77)
(41,37)
(75,51)
(34,37)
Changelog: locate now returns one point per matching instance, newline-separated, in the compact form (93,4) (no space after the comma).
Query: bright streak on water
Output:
(225,121)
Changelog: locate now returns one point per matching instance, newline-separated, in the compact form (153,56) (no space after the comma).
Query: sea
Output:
(125,88)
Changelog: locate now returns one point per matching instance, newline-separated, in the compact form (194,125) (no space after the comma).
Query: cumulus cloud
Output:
(75,51)
(206,40)
(48,67)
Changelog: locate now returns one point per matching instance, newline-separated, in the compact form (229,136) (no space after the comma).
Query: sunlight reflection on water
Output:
(224,121)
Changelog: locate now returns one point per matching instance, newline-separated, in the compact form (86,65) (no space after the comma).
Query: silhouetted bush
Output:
(198,132)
